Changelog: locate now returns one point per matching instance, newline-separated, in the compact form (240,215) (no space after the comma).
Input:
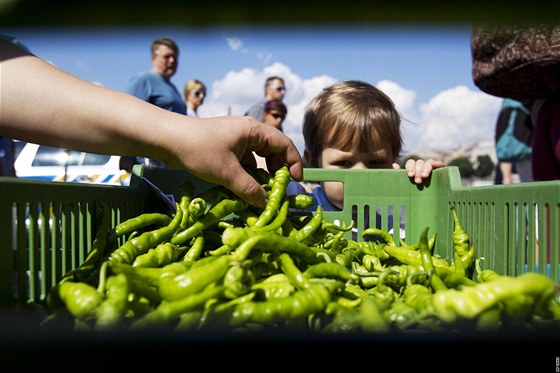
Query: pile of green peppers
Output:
(218,264)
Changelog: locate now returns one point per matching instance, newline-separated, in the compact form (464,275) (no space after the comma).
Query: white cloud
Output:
(402,97)
(454,117)
(234,44)
(238,90)
(264,57)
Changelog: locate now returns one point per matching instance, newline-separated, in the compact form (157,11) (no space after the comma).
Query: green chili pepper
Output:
(186,191)
(458,264)
(400,314)
(248,216)
(452,279)
(382,292)
(162,254)
(301,201)
(148,292)
(335,242)
(399,275)
(335,228)
(361,270)
(167,311)
(345,258)
(270,242)
(238,281)
(383,234)
(279,219)
(311,227)
(281,179)
(189,320)
(137,223)
(460,236)
(245,239)
(331,270)
(419,297)
(427,262)
(184,207)
(372,263)
(469,302)
(293,273)
(490,319)
(274,286)
(195,279)
(301,303)
(196,209)
(128,252)
(80,298)
(235,236)
(112,310)
(149,275)
(195,250)
(411,257)
(488,275)
(213,216)
(468,260)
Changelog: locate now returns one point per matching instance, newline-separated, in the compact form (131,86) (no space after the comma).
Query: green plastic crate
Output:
(516,228)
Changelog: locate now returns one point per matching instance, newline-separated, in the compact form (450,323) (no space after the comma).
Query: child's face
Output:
(381,157)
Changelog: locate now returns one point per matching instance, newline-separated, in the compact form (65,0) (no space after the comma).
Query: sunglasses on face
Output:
(276,115)
(199,93)
(280,89)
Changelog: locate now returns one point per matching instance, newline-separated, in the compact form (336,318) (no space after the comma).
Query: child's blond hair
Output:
(350,115)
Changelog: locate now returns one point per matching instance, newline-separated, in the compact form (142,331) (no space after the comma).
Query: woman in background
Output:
(194,94)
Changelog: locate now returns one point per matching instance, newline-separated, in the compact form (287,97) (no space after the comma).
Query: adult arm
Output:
(42,104)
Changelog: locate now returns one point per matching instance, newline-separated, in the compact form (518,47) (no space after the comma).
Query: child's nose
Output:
(360,166)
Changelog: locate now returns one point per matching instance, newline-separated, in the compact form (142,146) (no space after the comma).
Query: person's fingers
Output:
(248,160)
(411,167)
(275,162)
(245,186)
(278,150)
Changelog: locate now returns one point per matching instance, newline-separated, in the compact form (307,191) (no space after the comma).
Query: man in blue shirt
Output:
(156,87)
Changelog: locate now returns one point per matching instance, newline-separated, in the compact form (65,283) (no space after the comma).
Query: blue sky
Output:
(426,70)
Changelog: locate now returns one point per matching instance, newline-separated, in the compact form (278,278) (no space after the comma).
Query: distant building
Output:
(472,152)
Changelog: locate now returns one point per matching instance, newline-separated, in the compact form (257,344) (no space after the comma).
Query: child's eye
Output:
(343,164)
(378,164)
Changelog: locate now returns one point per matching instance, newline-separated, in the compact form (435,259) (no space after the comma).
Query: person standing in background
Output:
(514,121)
(155,87)
(274,89)
(274,114)
(194,94)
(546,139)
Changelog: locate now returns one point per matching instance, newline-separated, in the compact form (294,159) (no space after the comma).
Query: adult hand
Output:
(217,149)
